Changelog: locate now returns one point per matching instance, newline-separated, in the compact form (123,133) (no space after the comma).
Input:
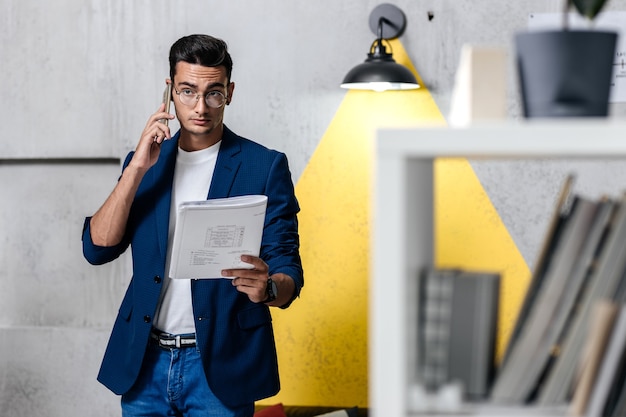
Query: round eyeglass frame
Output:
(194,98)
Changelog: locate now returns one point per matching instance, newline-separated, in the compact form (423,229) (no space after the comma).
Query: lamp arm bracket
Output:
(387,21)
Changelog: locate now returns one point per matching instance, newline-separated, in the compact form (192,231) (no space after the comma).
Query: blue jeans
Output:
(172,383)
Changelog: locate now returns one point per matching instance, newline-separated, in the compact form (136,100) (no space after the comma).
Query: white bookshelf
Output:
(402,231)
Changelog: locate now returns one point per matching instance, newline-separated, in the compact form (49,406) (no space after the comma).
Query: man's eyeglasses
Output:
(188,97)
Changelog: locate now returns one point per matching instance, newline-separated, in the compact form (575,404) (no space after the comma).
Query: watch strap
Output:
(269,290)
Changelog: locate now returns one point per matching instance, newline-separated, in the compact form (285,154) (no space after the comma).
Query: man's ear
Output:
(231,90)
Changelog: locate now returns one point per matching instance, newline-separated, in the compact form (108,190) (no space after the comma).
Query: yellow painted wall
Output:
(322,337)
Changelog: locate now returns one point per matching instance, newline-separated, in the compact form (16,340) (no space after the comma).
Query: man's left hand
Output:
(253,282)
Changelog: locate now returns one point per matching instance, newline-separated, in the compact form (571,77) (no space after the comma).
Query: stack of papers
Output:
(211,235)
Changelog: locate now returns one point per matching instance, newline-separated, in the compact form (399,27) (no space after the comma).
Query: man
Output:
(195,347)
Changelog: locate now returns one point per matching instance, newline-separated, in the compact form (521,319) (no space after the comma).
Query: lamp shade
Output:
(380,72)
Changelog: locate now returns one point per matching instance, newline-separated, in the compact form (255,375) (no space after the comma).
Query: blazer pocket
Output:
(256,316)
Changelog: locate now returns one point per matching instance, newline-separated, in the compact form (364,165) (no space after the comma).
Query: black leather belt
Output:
(171,341)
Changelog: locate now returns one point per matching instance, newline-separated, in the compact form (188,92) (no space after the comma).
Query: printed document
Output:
(211,235)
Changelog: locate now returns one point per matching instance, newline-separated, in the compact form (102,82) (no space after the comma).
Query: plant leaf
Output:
(589,8)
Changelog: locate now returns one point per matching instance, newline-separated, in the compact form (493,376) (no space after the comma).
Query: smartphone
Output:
(167,99)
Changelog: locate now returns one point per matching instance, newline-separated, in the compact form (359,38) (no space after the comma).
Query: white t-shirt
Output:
(192,179)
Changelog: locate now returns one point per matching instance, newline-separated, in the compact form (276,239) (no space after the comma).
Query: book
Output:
(600,327)
(473,332)
(435,295)
(564,275)
(458,322)
(616,404)
(580,277)
(603,283)
(211,235)
(610,369)
(553,233)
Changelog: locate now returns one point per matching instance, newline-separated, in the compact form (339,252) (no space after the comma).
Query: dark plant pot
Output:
(565,73)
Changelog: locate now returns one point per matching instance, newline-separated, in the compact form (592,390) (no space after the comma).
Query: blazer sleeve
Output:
(280,247)
(98,255)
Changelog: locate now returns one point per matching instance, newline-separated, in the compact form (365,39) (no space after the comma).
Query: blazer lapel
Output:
(163,179)
(226,166)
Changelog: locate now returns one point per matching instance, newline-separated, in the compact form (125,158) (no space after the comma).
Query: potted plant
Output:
(566,73)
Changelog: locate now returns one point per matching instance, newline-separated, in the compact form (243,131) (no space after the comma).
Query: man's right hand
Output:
(149,146)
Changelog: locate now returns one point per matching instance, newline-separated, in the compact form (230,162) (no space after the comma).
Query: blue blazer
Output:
(234,335)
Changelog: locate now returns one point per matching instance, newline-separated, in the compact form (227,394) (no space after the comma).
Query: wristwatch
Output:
(271,290)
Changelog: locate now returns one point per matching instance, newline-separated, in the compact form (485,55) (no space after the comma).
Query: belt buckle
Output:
(177,341)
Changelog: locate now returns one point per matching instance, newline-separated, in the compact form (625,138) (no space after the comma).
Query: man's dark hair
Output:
(204,50)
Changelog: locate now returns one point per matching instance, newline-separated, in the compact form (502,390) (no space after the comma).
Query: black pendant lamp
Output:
(380,72)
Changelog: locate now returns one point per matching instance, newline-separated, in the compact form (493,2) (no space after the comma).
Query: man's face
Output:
(200,122)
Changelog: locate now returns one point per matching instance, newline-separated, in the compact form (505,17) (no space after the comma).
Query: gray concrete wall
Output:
(80,80)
